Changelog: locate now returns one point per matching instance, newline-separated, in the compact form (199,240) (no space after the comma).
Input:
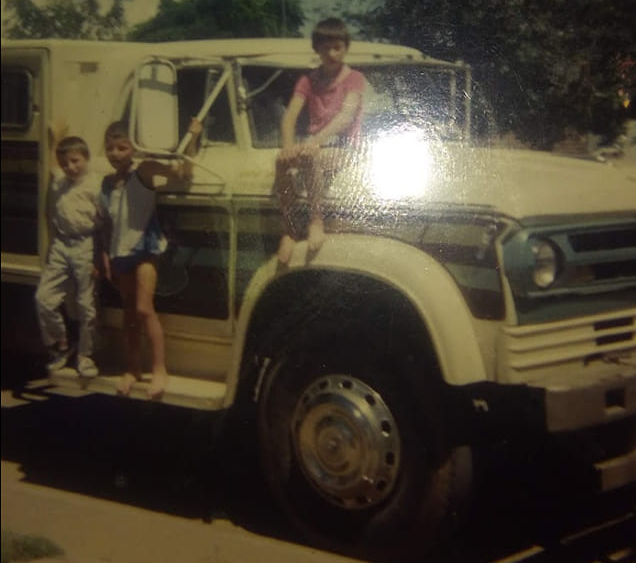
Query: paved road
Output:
(121,481)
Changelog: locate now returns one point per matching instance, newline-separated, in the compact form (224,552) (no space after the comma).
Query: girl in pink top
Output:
(333,96)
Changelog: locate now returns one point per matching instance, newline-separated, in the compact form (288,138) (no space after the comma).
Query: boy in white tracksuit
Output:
(75,215)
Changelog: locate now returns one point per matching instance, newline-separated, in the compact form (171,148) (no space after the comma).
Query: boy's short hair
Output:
(331,29)
(72,144)
(116,130)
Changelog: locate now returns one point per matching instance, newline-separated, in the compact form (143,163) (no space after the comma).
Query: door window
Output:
(16,98)
(194,85)
(193,272)
(259,229)
(19,209)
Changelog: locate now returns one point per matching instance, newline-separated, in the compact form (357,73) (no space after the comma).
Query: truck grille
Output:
(625,323)
(598,256)
(596,272)
(535,351)
(608,240)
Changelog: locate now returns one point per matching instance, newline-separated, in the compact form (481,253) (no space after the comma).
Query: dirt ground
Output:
(95,530)
(113,481)
(91,530)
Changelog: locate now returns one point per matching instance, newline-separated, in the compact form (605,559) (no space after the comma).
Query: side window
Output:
(269,91)
(16,98)
(259,231)
(19,210)
(193,85)
(20,162)
(193,272)
(219,127)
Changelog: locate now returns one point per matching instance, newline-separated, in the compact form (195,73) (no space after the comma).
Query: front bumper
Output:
(582,406)
(560,405)
(597,418)
(595,406)
(617,471)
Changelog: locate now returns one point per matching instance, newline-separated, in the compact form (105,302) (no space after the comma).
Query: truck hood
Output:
(518,183)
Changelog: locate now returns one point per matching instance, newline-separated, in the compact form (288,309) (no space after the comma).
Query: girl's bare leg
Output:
(324,166)
(285,249)
(315,195)
(284,186)
(316,234)
(146,284)
(126,285)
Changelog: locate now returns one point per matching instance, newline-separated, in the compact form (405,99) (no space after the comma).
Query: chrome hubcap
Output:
(347,441)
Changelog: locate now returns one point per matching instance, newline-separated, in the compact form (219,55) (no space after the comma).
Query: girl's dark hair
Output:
(72,144)
(116,130)
(331,29)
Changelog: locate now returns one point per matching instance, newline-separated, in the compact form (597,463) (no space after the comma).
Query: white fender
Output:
(425,283)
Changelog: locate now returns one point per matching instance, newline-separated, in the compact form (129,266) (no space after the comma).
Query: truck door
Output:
(24,163)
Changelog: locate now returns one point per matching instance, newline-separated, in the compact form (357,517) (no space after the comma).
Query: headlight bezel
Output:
(547,262)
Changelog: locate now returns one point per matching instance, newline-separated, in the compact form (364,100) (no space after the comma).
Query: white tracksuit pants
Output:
(68,272)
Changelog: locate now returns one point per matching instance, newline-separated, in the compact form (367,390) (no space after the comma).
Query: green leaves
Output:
(207,19)
(64,19)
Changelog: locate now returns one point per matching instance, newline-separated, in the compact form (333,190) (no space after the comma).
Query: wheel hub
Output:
(347,441)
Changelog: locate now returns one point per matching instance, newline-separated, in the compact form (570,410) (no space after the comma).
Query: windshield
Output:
(429,97)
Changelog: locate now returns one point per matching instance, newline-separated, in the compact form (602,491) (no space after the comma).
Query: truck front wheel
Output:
(355,454)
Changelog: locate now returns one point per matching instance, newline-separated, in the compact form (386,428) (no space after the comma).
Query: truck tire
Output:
(355,454)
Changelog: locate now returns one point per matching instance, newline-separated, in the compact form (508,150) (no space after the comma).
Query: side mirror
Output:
(155,106)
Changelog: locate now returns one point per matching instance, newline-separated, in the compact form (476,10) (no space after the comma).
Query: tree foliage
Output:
(350,11)
(541,67)
(205,19)
(64,19)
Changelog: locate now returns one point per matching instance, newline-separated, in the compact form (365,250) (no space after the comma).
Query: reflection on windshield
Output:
(401,164)
(419,95)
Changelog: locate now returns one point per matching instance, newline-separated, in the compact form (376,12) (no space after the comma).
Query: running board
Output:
(180,391)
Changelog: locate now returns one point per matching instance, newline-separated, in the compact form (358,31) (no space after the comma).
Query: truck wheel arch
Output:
(421,285)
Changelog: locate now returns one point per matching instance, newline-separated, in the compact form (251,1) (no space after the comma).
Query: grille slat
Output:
(533,348)
(605,240)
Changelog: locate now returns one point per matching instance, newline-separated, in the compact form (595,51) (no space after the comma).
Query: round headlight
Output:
(546,263)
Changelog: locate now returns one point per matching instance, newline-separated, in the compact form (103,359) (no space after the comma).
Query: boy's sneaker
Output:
(58,358)
(86,367)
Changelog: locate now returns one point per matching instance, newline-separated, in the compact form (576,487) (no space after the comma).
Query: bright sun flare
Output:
(401,165)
